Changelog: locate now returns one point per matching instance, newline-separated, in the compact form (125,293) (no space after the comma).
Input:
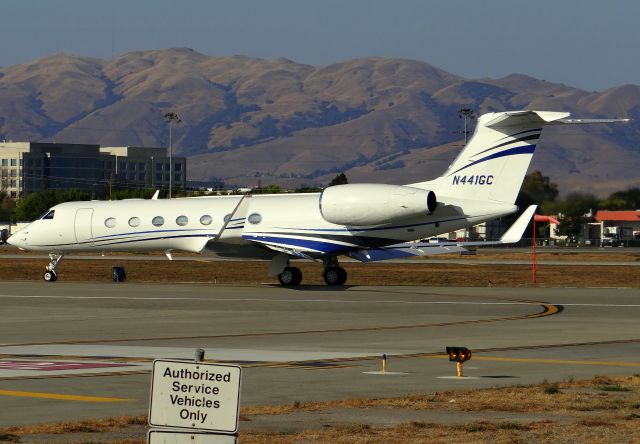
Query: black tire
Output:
(290,277)
(50,276)
(335,276)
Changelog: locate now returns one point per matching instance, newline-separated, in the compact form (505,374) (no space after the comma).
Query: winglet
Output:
(155,195)
(514,233)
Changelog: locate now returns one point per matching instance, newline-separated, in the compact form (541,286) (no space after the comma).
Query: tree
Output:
(340,179)
(536,189)
(268,189)
(137,193)
(307,189)
(34,205)
(573,212)
(622,200)
(7,204)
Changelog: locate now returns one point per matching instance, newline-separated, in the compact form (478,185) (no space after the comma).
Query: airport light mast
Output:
(170,118)
(466,113)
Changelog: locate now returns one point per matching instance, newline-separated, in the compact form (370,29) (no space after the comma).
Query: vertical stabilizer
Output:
(493,164)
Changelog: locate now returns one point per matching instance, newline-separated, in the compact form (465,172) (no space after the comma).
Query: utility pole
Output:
(466,113)
(170,118)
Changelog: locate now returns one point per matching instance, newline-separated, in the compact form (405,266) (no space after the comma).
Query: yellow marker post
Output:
(458,355)
(384,363)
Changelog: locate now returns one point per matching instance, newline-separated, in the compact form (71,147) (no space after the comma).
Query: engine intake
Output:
(374,204)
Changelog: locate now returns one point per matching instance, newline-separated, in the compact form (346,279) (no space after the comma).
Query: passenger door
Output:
(83,226)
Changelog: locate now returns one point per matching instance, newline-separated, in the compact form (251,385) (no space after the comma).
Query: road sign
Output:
(187,437)
(195,395)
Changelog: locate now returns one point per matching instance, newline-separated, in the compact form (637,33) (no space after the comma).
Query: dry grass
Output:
(88,425)
(574,255)
(581,396)
(473,274)
(578,412)
(476,432)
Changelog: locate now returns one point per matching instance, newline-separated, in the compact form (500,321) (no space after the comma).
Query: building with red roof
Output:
(618,226)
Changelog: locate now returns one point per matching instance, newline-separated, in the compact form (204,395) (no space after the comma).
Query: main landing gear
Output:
(50,275)
(335,276)
(288,276)
(333,273)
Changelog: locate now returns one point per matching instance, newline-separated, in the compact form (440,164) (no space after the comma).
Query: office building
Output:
(27,167)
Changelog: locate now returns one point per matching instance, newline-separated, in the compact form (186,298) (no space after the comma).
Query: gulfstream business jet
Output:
(368,222)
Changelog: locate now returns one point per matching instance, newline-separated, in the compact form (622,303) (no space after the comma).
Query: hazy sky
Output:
(588,44)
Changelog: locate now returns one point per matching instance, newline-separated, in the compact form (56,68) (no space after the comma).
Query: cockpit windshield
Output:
(49,214)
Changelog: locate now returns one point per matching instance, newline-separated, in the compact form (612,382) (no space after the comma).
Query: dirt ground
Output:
(599,410)
(473,273)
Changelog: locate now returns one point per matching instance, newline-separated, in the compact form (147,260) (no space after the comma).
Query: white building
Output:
(27,167)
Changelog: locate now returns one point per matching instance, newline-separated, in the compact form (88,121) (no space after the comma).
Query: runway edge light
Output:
(458,355)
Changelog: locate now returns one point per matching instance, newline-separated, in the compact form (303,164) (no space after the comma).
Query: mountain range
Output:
(247,121)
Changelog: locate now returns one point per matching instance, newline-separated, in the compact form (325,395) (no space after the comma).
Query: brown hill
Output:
(276,121)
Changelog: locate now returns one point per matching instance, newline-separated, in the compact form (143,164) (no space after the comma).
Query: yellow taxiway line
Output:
(60,396)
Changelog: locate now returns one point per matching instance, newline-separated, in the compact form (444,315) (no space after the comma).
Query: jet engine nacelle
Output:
(374,204)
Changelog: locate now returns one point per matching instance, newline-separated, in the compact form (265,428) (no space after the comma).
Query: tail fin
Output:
(493,164)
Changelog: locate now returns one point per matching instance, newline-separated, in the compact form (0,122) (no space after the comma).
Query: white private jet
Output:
(368,222)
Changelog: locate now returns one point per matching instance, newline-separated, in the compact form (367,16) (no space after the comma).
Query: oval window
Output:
(134,222)
(110,222)
(206,220)
(254,218)
(157,221)
(182,220)
(227,218)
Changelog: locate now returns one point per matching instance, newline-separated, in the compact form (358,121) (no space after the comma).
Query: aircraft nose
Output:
(18,240)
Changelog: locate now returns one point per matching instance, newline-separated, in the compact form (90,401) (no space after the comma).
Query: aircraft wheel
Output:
(335,276)
(50,276)
(290,277)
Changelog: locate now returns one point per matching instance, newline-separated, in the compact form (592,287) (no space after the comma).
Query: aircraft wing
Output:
(405,250)
(289,251)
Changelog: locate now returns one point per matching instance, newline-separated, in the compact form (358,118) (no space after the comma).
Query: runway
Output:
(73,350)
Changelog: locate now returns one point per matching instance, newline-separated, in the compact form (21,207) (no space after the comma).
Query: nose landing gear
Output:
(50,275)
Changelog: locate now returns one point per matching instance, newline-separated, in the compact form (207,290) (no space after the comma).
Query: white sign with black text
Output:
(195,395)
(188,437)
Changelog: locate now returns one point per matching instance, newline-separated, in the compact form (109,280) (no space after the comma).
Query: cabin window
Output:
(49,215)
(110,222)
(134,222)
(206,220)
(254,218)
(182,220)
(227,218)
(158,221)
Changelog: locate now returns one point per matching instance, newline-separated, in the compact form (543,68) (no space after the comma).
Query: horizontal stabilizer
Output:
(525,119)
(514,233)
(587,121)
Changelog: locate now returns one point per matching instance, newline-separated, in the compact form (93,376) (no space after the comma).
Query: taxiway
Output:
(74,350)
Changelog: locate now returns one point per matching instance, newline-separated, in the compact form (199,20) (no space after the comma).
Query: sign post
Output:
(195,395)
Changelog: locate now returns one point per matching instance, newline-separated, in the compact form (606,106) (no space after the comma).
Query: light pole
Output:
(170,118)
(466,113)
